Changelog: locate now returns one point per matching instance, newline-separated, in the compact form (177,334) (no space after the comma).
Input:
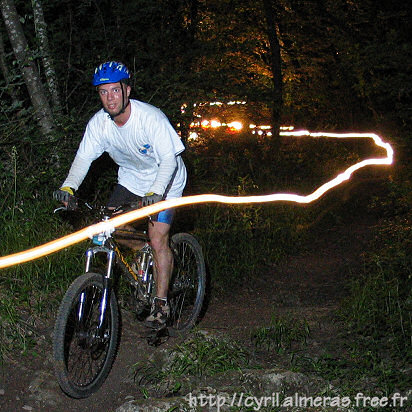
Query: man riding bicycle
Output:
(141,140)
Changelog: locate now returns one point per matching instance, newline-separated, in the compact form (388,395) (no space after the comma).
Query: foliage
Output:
(373,70)
(282,332)
(240,240)
(26,217)
(376,334)
(334,71)
(379,308)
(199,355)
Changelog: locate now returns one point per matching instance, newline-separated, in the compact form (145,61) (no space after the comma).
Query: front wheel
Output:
(188,283)
(84,347)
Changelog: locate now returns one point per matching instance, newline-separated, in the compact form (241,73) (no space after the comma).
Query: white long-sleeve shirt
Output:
(146,148)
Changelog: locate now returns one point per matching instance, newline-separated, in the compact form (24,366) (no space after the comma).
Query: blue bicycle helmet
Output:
(110,72)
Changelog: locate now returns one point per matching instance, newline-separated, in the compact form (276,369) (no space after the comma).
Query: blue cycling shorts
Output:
(121,196)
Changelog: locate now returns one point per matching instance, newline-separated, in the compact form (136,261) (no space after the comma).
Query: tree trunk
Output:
(5,71)
(31,77)
(41,34)
(276,63)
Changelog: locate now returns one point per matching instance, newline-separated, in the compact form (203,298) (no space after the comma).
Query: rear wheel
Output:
(83,353)
(188,283)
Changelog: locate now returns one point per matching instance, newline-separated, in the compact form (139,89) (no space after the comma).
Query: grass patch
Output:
(198,356)
(380,301)
(281,334)
(32,289)
(14,334)
(375,346)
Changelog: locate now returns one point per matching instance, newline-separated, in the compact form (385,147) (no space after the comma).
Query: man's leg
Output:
(163,260)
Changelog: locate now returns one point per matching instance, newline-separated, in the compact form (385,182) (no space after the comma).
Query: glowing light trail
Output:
(89,231)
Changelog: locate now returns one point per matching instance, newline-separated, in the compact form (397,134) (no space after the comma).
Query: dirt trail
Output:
(308,285)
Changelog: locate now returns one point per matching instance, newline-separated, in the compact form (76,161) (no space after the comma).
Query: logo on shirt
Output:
(144,149)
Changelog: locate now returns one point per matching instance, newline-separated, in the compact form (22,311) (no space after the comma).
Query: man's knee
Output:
(159,236)
(159,242)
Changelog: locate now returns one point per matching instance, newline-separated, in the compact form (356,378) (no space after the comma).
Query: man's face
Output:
(113,98)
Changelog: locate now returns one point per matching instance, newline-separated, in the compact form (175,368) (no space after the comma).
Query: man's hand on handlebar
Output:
(66,196)
(151,198)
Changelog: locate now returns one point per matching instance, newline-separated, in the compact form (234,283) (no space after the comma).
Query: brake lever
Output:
(59,209)
(72,204)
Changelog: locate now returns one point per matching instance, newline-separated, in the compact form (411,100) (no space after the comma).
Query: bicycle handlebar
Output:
(75,203)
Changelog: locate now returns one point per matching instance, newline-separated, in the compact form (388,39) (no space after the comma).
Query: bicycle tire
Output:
(188,283)
(82,361)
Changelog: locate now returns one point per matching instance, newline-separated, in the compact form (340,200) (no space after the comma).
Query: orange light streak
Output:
(97,228)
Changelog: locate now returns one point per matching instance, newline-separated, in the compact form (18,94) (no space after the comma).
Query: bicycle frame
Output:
(114,257)
(87,327)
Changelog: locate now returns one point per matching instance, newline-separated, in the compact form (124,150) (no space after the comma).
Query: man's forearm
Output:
(166,170)
(77,173)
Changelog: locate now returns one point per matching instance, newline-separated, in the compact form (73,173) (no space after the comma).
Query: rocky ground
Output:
(307,286)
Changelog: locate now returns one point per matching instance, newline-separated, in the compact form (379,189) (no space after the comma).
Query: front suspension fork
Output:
(107,284)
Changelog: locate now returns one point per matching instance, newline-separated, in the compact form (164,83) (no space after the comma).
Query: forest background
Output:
(326,65)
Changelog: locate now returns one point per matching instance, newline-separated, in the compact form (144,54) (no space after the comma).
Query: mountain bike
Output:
(86,332)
